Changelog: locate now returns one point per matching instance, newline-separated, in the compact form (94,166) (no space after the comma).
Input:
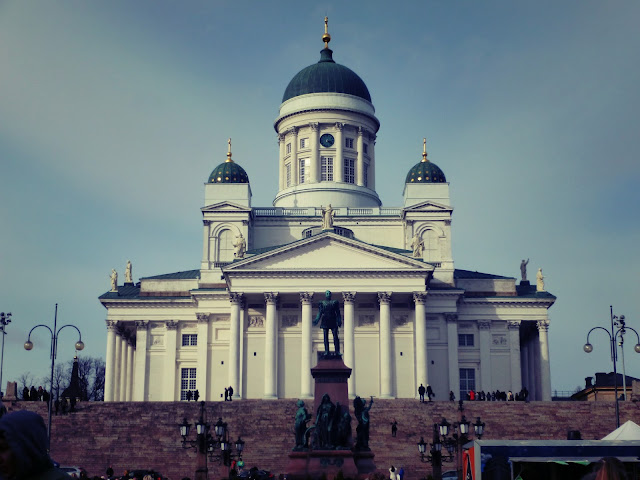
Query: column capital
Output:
(306,297)
(384,297)
(543,325)
(451,317)
(420,297)
(513,324)
(293,131)
(339,126)
(314,126)
(484,324)
(142,324)
(361,131)
(349,297)
(281,137)
(236,297)
(202,317)
(171,325)
(271,297)
(206,223)
(111,325)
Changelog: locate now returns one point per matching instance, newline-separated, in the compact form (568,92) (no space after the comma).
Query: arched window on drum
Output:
(431,246)
(225,246)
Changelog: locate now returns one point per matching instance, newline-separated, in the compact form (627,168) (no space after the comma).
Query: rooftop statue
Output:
(127,273)
(523,269)
(327,217)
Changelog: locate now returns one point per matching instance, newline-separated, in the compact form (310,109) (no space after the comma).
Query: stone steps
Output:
(145,434)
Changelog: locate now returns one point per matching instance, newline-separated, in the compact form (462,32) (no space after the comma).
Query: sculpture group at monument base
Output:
(328,446)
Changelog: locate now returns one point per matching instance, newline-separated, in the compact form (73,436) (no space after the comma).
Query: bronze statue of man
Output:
(330,319)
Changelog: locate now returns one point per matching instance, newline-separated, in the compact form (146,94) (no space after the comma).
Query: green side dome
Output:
(326,76)
(228,171)
(425,171)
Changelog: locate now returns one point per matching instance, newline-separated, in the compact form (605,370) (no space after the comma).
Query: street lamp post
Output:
(28,345)
(207,445)
(613,334)
(5,319)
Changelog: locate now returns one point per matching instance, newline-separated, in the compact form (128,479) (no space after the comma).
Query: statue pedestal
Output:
(330,375)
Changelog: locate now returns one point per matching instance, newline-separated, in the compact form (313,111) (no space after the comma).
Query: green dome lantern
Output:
(425,171)
(228,171)
(326,76)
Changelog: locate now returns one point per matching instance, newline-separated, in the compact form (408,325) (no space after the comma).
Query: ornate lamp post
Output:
(28,345)
(209,446)
(459,436)
(5,319)
(435,456)
(613,335)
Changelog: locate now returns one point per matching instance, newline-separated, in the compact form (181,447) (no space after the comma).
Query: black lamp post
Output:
(28,345)
(459,436)
(613,334)
(207,446)
(435,456)
(5,319)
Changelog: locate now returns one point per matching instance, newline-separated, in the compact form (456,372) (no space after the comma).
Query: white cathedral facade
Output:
(244,318)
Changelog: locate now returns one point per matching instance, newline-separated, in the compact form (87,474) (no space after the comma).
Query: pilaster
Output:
(306,380)
(349,339)
(452,351)
(202,362)
(140,391)
(170,359)
(234,342)
(271,339)
(422,365)
(545,368)
(386,368)
(110,363)
(484,327)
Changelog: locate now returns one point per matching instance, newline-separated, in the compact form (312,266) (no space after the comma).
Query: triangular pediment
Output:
(225,207)
(329,252)
(428,206)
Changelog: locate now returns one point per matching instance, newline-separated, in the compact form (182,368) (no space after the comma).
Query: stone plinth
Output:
(331,375)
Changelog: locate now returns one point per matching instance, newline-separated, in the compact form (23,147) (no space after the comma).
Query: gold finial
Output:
(326,38)
(424,150)
(229,152)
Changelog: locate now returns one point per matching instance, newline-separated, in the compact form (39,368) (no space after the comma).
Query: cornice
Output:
(357,273)
(156,302)
(513,302)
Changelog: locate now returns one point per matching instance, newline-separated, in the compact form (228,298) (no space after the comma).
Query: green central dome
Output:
(326,76)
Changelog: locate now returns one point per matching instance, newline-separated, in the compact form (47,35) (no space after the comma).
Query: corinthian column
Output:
(485,354)
(386,368)
(349,339)
(141,361)
(545,369)
(110,364)
(271,339)
(514,356)
(202,375)
(452,347)
(170,365)
(234,343)
(306,381)
(422,367)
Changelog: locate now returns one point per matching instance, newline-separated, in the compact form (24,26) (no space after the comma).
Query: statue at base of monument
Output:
(301,431)
(330,319)
(333,426)
(361,412)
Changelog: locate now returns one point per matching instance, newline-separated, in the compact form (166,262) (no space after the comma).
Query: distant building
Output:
(244,317)
(604,388)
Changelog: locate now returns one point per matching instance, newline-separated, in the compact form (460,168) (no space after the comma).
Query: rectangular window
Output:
(187,382)
(365,174)
(303,169)
(467,382)
(288,173)
(189,340)
(288,149)
(465,339)
(304,142)
(348,142)
(349,170)
(365,147)
(326,169)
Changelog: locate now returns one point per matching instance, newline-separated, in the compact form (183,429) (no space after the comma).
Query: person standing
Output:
(230,393)
(393,474)
(421,392)
(394,428)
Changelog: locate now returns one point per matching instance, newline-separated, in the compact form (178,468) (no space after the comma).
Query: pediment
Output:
(329,252)
(428,206)
(225,207)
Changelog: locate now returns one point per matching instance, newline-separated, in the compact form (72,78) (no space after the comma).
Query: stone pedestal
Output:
(331,376)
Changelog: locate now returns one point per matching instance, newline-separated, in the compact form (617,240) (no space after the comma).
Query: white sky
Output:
(113,114)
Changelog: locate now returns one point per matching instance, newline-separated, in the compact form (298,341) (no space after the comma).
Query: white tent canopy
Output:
(626,431)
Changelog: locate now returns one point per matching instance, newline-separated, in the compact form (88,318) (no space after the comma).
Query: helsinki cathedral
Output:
(244,318)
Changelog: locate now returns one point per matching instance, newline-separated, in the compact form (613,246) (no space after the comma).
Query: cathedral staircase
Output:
(145,434)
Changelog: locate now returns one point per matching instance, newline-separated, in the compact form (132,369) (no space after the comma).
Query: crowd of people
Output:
(35,395)
(498,395)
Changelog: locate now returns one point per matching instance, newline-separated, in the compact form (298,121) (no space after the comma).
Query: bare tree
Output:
(90,376)
(26,379)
